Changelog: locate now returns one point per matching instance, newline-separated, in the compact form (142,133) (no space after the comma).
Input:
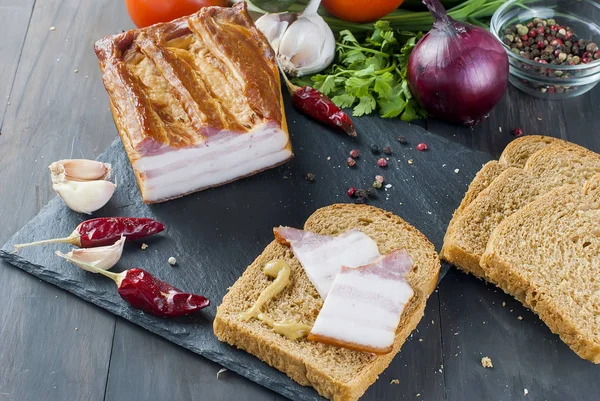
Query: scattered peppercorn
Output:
(361,193)
(371,193)
(387,150)
(379,178)
(359,200)
(402,139)
(517,132)
(351,162)
(374,149)
(382,162)
(310,177)
(354,153)
(351,191)
(422,147)
(376,184)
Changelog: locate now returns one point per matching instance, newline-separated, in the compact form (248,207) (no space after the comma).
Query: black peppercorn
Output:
(361,193)
(387,150)
(359,200)
(374,148)
(310,177)
(371,193)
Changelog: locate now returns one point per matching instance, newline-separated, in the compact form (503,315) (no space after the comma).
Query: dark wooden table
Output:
(54,346)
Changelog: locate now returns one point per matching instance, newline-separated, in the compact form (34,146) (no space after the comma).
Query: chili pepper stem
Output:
(71,239)
(116,277)
(290,86)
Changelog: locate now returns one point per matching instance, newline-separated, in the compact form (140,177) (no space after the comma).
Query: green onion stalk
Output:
(476,12)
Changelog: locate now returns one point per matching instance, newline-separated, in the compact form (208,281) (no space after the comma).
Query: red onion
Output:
(457,72)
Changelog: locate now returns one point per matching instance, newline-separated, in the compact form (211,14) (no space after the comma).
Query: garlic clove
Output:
(79,170)
(85,196)
(303,43)
(273,26)
(103,257)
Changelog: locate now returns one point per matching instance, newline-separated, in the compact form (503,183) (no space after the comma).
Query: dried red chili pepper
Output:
(145,292)
(151,295)
(105,231)
(319,107)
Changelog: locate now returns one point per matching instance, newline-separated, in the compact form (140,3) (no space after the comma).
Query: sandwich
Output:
(197,101)
(331,304)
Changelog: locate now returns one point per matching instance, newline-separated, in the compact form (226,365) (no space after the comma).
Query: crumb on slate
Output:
(222,370)
(144,247)
(520,317)
(486,362)
(53,28)
(394,381)
(172,261)
(525,391)
(456,170)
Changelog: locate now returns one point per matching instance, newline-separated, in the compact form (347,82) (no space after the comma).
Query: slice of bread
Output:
(515,154)
(547,255)
(549,168)
(336,373)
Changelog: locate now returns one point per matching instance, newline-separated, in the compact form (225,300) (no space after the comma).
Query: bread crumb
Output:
(418,394)
(75,70)
(144,247)
(53,28)
(328,157)
(222,370)
(520,317)
(76,329)
(172,261)
(394,381)
(420,340)
(410,161)
(432,322)
(486,362)
(525,391)
(456,170)
(503,303)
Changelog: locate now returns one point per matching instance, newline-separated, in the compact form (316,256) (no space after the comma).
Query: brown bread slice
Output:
(549,168)
(515,154)
(336,373)
(547,255)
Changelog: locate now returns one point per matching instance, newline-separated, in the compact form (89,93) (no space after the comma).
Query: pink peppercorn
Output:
(379,178)
(422,147)
(351,191)
(540,45)
(351,162)
(540,29)
(354,153)
(382,162)
(554,27)
(533,33)
(525,38)
(518,132)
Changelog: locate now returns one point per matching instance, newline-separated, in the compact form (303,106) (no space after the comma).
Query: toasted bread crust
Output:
(290,356)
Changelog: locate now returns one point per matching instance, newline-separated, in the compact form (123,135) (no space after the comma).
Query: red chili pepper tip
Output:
(422,147)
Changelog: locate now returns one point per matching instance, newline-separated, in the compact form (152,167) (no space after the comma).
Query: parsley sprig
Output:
(371,75)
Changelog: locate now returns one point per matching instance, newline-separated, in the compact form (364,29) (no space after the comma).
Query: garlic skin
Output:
(79,170)
(85,196)
(304,43)
(103,257)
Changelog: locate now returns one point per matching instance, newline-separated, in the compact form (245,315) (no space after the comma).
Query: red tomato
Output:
(360,10)
(148,12)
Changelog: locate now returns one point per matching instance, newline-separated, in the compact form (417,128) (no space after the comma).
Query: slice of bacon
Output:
(364,305)
(322,256)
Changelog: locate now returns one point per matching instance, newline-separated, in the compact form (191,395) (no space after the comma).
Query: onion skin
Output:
(457,72)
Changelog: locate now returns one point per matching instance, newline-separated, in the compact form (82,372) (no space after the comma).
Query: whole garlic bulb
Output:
(304,43)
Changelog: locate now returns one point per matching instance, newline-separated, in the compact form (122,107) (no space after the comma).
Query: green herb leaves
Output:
(371,75)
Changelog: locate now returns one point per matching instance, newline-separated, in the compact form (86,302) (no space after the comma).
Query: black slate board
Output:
(216,233)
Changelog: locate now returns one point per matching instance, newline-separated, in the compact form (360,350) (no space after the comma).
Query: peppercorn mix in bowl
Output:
(552,45)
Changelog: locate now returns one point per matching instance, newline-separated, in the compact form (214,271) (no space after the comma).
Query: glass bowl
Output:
(550,81)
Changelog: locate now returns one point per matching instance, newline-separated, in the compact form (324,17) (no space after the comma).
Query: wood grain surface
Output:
(54,346)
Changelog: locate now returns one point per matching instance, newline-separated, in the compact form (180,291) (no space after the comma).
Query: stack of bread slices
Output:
(530,223)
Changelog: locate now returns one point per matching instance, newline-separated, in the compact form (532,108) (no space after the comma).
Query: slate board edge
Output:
(79,291)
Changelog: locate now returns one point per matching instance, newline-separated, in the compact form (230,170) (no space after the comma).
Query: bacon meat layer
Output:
(197,101)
